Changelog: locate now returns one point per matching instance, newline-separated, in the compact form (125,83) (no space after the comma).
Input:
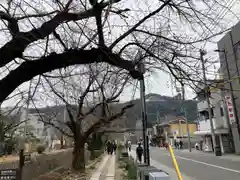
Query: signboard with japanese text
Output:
(230,109)
(11,174)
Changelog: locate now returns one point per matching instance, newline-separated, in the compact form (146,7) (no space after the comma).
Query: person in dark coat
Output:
(181,144)
(139,152)
(109,147)
(114,147)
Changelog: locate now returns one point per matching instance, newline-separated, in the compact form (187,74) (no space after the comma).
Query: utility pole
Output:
(216,148)
(144,116)
(185,115)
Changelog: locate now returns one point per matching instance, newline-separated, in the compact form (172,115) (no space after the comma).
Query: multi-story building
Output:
(220,123)
(229,53)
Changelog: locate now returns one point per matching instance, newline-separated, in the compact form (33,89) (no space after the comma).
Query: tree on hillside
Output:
(38,37)
(89,100)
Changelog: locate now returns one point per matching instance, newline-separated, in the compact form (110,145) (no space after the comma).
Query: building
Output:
(219,117)
(34,126)
(174,129)
(229,54)
(33,129)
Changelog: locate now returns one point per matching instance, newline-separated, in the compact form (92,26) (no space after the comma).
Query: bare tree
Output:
(88,99)
(42,36)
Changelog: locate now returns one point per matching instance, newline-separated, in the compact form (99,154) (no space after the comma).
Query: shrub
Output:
(131,169)
(120,147)
(40,149)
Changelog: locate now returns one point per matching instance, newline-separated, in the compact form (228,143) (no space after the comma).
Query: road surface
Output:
(200,166)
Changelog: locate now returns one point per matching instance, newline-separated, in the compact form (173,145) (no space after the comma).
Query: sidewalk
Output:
(106,169)
(158,165)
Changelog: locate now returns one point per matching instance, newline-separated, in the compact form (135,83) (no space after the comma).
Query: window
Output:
(221,111)
(203,115)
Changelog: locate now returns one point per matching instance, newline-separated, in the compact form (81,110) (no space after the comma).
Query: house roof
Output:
(176,121)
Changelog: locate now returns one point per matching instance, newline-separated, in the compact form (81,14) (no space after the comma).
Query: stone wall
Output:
(44,163)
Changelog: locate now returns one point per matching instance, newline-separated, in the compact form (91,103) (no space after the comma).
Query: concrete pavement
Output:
(200,166)
(106,169)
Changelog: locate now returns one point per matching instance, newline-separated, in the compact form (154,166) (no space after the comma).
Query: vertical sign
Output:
(230,109)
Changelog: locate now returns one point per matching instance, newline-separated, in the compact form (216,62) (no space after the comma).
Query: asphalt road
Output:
(200,166)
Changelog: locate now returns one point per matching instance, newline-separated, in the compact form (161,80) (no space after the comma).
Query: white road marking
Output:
(212,165)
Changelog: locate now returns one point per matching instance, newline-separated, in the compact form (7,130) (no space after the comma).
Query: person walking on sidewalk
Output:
(129,145)
(181,144)
(109,147)
(114,147)
(139,151)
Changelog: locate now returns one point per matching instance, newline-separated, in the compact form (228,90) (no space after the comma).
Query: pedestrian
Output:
(139,152)
(181,144)
(166,145)
(114,147)
(178,144)
(126,146)
(129,145)
(175,143)
(109,147)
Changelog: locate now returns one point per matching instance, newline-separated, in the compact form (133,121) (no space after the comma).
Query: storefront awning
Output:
(202,133)
(217,131)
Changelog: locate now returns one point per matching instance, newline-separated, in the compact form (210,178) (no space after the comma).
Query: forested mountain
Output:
(161,105)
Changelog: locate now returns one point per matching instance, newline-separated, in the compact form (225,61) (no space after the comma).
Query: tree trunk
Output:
(78,159)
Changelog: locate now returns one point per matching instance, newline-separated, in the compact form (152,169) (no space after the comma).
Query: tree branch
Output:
(30,69)
(139,23)
(105,121)
(12,23)
(17,45)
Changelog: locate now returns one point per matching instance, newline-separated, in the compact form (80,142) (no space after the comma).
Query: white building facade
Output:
(219,119)
(33,126)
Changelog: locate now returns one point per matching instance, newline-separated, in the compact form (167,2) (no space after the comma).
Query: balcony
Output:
(205,125)
(219,123)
